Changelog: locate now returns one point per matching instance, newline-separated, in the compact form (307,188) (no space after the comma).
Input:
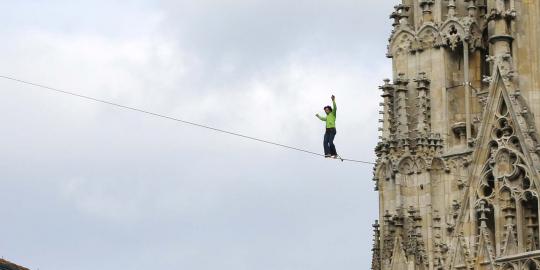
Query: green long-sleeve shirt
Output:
(330,118)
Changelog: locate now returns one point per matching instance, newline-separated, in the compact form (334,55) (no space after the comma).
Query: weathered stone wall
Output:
(527,51)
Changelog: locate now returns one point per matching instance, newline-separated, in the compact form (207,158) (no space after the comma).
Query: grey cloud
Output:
(259,35)
(87,186)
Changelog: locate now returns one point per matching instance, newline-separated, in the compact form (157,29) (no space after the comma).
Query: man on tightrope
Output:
(330,119)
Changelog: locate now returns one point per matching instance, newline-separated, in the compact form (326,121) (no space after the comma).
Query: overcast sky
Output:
(87,186)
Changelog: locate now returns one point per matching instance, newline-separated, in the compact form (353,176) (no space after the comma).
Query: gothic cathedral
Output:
(458,161)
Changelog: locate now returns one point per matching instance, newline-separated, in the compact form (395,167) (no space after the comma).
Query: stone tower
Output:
(458,168)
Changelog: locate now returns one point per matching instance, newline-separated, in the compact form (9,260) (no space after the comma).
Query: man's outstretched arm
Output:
(320,117)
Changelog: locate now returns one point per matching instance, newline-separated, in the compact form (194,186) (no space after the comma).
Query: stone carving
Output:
(452,37)
(428,37)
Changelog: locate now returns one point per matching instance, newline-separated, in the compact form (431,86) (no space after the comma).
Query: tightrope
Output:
(173,118)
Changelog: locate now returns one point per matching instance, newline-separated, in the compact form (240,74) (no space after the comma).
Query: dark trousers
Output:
(329,147)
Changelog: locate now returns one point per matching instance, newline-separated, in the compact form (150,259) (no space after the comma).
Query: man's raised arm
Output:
(334,103)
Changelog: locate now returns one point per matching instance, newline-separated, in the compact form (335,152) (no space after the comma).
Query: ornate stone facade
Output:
(458,168)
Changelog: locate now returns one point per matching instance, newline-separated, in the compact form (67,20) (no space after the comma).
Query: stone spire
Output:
(388,120)
(423,105)
(402,116)
(376,250)
(427,10)
(451,8)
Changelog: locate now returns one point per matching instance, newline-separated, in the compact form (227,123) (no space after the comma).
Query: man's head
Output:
(327,109)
